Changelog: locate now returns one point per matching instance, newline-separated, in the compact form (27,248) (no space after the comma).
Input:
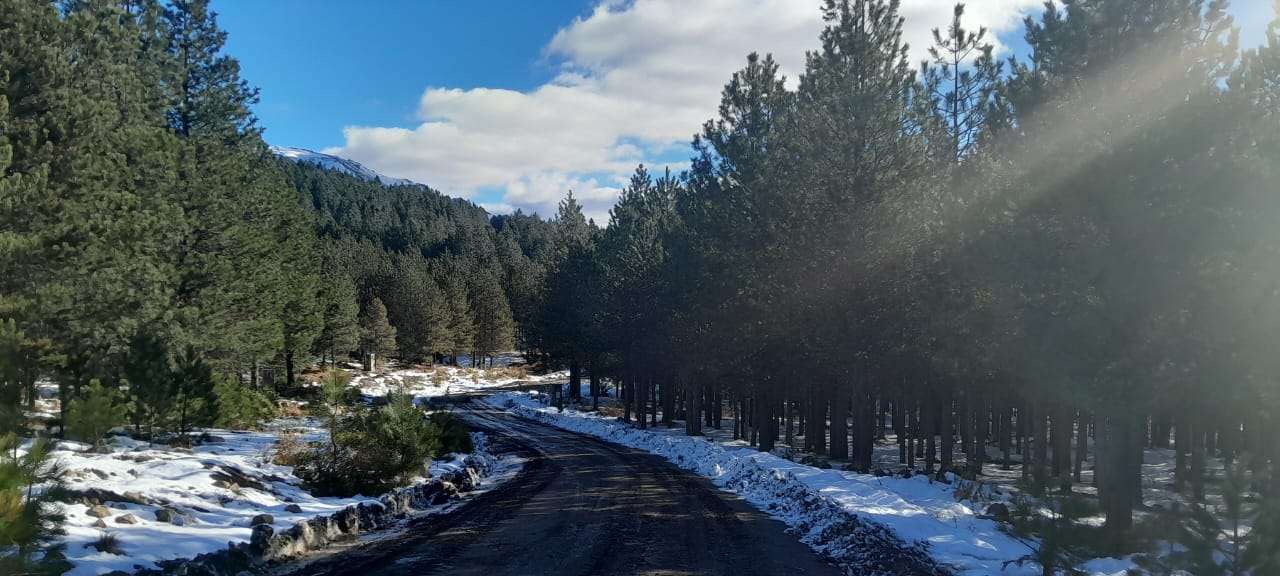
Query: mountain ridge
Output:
(340,164)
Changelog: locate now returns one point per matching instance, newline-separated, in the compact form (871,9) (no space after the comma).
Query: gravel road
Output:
(584,507)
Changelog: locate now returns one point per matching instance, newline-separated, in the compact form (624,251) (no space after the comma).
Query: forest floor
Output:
(950,518)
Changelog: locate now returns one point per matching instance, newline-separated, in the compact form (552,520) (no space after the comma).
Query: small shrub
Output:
(239,406)
(369,451)
(291,408)
(399,440)
(30,522)
(410,383)
(107,543)
(94,413)
(289,450)
(455,435)
(509,372)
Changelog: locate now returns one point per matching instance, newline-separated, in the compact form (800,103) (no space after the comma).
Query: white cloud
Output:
(635,78)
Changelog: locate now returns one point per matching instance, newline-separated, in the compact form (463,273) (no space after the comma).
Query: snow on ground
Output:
(220,485)
(916,509)
(426,383)
(217,488)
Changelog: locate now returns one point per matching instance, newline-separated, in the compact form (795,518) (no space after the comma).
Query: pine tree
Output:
(30,520)
(193,403)
(461,326)
(94,413)
(340,332)
(239,406)
(377,335)
(495,330)
(150,379)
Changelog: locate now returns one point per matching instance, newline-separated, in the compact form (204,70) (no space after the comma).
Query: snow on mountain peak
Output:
(331,162)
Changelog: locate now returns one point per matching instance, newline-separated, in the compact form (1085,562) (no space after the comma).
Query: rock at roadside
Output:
(815,461)
(294,508)
(998,511)
(260,540)
(261,519)
(126,519)
(99,511)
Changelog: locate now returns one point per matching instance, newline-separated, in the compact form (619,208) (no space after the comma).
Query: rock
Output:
(225,484)
(998,511)
(167,515)
(261,538)
(137,498)
(815,461)
(126,519)
(100,474)
(99,523)
(294,508)
(99,511)
(262,519)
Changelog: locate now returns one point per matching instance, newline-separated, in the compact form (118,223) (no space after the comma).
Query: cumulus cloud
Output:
(634,79)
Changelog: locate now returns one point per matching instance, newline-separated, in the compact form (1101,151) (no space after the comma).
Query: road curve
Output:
(584,507)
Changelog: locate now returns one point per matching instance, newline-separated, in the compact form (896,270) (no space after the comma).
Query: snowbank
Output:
(165,503)
(424,384)
(848,516)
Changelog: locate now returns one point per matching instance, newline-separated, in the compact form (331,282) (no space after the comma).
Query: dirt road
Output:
(579,507)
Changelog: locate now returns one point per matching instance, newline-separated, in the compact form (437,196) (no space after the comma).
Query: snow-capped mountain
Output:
(332,162)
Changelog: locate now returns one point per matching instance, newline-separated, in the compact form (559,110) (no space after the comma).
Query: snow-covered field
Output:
(163,503)
(426,383)
(915,509)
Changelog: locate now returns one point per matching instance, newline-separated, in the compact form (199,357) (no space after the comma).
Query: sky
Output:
(511,103)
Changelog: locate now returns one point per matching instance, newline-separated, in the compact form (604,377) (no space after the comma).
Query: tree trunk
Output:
(840,422)
(945,410)
(575,379)
(1082,446)
(1120,475)
(288,370)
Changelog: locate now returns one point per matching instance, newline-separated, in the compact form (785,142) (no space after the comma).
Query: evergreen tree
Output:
(491,316)
(150,379)
(239,406)
(340,332)
(94,413)
(193,403)
(377,335)
(30,520)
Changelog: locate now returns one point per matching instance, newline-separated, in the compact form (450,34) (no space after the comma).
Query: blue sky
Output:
(326,64)
(511,103)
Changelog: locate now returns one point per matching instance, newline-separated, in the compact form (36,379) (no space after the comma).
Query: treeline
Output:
(1042,256)
(454,281)
(139,203)
(137,200)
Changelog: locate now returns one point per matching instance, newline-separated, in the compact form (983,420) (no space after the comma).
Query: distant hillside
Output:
(344,165)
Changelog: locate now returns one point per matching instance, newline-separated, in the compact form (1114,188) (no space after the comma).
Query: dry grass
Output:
(504,372)
(289,450)
(107,543)
(290,409)
(613,410)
